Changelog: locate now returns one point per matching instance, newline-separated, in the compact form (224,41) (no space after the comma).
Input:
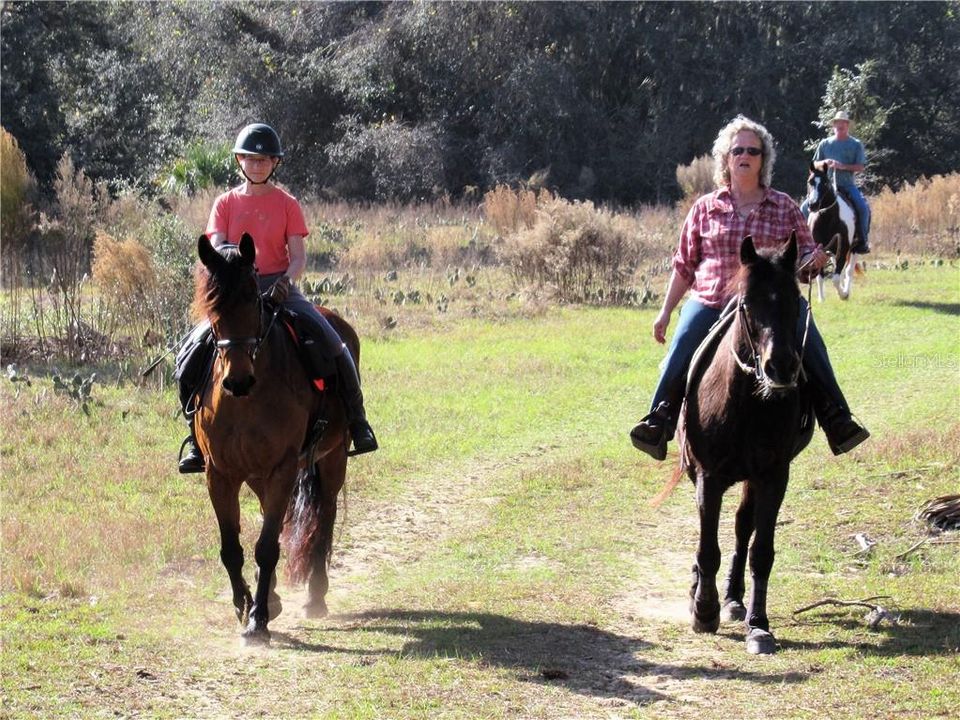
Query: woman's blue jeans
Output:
(695,322)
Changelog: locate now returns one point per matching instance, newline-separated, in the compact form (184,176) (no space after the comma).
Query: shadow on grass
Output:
(916,632)
(581,658)
(940,307)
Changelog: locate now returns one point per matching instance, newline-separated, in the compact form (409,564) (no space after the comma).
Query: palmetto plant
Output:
(203,165)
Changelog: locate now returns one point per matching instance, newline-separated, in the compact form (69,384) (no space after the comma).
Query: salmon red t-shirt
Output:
(270,219)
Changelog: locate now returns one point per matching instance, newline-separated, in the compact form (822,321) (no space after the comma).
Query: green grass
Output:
(498,557)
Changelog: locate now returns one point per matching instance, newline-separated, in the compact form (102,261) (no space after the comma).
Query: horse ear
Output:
(208,255)
(789,252)
(248,251)
(748,253)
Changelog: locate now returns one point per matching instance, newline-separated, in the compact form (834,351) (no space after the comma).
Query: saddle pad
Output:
(318,383)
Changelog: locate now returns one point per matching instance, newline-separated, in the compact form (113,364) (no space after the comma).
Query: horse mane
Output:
(213,292)
(205,292)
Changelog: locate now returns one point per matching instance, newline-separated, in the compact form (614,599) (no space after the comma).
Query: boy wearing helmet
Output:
(275,221)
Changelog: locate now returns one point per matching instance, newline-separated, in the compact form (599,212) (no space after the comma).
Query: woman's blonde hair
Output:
(721,149)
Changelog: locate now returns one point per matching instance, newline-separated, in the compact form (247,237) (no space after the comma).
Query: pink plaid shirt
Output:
(708,255)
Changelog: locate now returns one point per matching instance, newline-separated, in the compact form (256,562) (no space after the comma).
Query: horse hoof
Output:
(760,642)
(256,637)
(315,610)
(733,611)
(710,625)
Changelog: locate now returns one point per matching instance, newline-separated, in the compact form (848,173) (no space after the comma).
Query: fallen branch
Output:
(905,553)
(844,603)
(876,615)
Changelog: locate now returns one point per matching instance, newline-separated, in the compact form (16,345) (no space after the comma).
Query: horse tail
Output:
(308,538)
(669,486)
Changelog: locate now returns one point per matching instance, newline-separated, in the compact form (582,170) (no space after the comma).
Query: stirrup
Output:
(368,439)
(194,462)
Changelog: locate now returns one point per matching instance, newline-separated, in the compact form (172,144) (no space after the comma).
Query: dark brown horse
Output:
(257,410)
(747,416)
(832,223)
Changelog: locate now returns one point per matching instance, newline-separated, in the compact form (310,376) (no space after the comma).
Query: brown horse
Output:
(256,414)
(747,416)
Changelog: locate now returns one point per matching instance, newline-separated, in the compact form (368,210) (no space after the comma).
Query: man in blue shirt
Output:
(844,155)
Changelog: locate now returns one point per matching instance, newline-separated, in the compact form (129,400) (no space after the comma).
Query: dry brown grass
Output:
(194,211)
(578,252)
(919,219)
(510,211)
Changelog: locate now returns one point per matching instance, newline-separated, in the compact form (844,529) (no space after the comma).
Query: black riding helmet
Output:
(258,139)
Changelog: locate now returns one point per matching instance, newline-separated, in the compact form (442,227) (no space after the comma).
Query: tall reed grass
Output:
(919,219)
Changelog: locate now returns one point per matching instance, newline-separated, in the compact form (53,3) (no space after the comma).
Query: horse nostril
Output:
(239,387)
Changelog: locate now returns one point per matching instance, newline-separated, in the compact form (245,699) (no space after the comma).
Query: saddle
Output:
(704,352)
(193,366)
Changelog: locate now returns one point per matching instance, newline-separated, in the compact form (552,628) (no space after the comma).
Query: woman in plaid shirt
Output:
(705,263)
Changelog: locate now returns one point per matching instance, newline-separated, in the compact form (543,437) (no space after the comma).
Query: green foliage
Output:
(411,100)
(848,90)
(78,389)
(202,166)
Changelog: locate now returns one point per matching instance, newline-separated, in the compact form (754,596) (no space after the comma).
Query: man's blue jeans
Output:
(695,322)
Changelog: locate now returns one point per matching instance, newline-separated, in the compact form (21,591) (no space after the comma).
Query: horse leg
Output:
(273,502)
(820,294)
(769,497)
(274,603)
(332,471)
(847,284)
(704,599)
(733,608)
(225,497)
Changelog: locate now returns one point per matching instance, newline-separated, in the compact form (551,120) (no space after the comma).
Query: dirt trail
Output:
(374,533)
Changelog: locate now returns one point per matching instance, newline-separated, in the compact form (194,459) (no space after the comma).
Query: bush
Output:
(124,274)
(17,187)
(695,179)
(510,211)
(579,252)
(387,161)
(202,166)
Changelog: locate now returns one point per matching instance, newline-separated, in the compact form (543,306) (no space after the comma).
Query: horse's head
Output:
(820,192)
(769,308)
(227,294)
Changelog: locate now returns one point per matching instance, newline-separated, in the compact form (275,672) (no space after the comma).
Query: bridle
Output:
(756,369)
(836,199)
(251,344)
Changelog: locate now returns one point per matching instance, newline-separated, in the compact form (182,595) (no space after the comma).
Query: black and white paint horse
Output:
(833,223)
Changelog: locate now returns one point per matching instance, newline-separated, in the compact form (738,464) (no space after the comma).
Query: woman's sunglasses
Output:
(751,151)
